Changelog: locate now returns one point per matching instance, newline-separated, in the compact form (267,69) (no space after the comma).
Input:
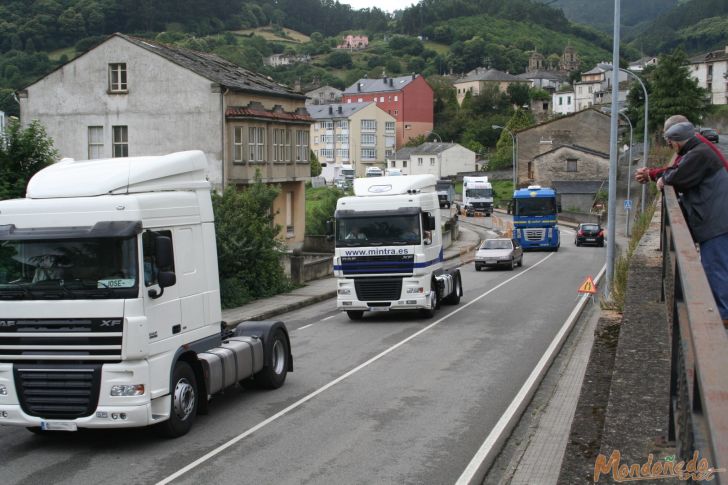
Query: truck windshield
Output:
(65,269)
(376,231)
(347,173)
(478,193)
(536,206)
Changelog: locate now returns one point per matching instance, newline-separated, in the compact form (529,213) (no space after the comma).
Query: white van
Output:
(374,172)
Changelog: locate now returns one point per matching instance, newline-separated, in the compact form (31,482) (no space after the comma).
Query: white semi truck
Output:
(388,248)
(110,313)
(477,196)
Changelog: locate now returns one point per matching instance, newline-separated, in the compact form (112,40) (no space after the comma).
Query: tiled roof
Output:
(712,56)
(541,74)
(380,85)
(429,148)
(215,69)
(338,110)
(482,74)
(257,110)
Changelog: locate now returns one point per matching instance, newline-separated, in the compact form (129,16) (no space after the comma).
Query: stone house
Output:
(570,147)
(354,42)
(479,78)
(130,96)
(323,95)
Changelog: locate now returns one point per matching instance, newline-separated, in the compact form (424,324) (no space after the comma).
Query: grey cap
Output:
(680,132)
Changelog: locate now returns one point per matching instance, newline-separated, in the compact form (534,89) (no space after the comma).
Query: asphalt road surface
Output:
(393,398)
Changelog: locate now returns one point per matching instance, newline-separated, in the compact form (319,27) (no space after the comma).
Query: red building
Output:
(408,98)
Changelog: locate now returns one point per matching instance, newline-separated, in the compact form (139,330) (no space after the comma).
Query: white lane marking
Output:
(305,326)
(478,466)
(329,318)
(339,379)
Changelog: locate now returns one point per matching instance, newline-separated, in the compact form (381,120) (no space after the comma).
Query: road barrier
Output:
(699,362)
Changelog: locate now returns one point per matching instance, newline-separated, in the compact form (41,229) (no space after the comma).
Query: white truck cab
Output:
(110,311)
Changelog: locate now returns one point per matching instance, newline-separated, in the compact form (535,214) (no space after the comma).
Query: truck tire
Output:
(434,298)
(183,402)
(454,297)
(355,314)
(274,375)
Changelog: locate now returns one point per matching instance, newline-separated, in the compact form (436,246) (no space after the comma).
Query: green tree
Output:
(339,59)
(503,156)
(23,151)
(518,93)
(248,250)
(323,204)
(315,165)
(674,92)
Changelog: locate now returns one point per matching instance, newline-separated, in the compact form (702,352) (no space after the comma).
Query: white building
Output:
(711,72)
(563,102)
(438,159)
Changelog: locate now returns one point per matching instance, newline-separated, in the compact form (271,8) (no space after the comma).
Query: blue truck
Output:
(535,216)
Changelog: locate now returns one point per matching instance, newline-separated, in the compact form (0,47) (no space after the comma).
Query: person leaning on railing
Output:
(703,184)
(645,174)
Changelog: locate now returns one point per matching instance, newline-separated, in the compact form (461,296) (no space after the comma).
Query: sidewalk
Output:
(325,288)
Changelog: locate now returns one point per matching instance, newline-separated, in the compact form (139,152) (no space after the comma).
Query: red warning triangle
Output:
(588,286)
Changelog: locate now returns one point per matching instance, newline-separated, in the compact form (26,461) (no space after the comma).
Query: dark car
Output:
(710,134)
(589,233)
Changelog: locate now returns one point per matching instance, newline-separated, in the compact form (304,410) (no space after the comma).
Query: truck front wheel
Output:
(183,402)
(454,297)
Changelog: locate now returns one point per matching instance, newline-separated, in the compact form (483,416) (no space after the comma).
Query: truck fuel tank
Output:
(236,359)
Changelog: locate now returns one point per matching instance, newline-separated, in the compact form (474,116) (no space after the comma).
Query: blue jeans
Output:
(714,256)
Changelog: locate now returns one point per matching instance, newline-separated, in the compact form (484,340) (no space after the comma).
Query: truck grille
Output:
(66,392)
(93,339)
(534,234)
(357,265)
(378,289)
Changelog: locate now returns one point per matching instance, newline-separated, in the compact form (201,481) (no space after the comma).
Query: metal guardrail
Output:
(699,363)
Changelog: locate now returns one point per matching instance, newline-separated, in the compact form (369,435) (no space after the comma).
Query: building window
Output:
(571,164)
(568,100)
(117,78)
(343,124)
(279,147)
(301,146)
(369,125)
(95,142)
(396,98)
(388,153)
(238,144)
(327,125)
(396,112)
(561,101)
(381,99)
(256,144)
(407,127)
(419,161)
(342,153)
(287,146)
(404,163)
(342,138)
(120,141)
(327,138)
(368,139)
(327,153)
(389,126)
(530,170)
(432,161)
(393,164)
(289,214)
(368,153)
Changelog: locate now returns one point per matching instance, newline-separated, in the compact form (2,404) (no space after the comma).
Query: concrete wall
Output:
(553,166)
(167,108)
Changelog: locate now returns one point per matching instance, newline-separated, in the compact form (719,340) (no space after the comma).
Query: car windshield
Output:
(68,268)
(478,193)
(536,206)
(497,244)
(590,227)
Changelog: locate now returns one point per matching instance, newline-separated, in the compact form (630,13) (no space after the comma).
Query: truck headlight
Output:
(415,290)
(3,390)
(127,390)
(344,291)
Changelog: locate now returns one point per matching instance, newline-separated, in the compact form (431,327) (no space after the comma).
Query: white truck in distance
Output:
(389,252)
(110,313)
(477,196)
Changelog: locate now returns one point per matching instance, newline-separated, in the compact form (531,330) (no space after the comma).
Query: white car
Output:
(499,252)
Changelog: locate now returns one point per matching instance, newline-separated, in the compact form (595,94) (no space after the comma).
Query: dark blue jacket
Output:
(703,182)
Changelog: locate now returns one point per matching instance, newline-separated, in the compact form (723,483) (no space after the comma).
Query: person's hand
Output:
(642,175)
(660,183)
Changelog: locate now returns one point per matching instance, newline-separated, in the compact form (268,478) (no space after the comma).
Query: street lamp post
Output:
(646,141)
(513,150)
(612,200)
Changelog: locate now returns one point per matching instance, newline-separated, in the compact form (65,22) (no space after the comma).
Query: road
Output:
(389,399)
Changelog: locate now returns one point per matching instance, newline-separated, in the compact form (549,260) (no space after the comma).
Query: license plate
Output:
(378,308)
(491,261)
(591,239)
(58,426)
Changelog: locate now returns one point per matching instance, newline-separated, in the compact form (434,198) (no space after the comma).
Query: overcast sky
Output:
(386,5)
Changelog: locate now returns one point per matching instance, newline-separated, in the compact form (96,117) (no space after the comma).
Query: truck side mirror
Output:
(163,251)
(329,227)
(431,223)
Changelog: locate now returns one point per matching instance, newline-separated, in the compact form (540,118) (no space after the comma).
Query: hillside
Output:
(601,14)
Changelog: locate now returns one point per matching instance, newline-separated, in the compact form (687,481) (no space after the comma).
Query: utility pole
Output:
(613,152)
